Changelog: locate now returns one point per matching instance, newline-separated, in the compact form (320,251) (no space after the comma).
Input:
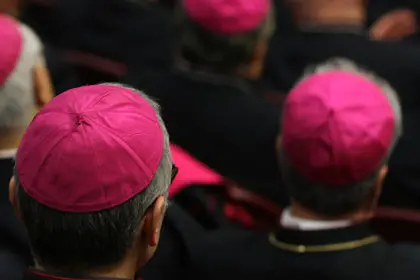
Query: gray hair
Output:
(17,98)
(339,201)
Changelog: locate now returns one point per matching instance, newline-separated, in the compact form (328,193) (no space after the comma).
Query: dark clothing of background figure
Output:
(15,255)
(223,124)
(179,233)
(396,62)
(134,34)
(285,26)
(354,253)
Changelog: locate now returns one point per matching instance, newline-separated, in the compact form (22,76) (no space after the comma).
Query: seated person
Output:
(339,127)
(210,108)
(91,183)
(24,79)
(24,85)
(336,28)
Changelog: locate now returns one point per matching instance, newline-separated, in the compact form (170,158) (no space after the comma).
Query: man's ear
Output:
(370,204)
(44,91)
(153,220)
(257,63)
(12,197)
(394,25)
(381,177)
(377,190)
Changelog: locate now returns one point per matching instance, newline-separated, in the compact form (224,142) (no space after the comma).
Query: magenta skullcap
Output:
(11,46)
(91,148)
(337,128)
(228,17)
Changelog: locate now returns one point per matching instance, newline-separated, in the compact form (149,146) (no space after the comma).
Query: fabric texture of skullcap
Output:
(337,128)
(91,148)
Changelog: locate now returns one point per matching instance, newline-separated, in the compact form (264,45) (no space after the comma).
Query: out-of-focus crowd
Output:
(209,139)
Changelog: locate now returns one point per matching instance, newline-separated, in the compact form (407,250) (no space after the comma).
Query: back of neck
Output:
(299,211)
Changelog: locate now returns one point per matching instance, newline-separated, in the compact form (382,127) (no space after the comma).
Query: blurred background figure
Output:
(210,101)
(221,71)
(25,81)
(340,126)
(24,88)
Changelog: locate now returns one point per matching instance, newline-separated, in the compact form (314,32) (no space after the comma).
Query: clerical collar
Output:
(289,221)
(35,274)
(340,238)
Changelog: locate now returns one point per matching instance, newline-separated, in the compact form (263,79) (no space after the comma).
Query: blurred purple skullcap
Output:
(11,47)
(228,17)
(337,128)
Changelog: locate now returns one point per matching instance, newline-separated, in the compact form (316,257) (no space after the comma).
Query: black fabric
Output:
(205,204)
(396,62)
(285,27)
(14,249)
(223,124)
(137,34)
(250,255)
(64,75)
(179,234)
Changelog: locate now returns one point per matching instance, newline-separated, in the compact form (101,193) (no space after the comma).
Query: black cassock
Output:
(15,254)
(349,253)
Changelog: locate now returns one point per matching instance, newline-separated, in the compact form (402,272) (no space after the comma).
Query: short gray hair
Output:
(96,240)
(338,201)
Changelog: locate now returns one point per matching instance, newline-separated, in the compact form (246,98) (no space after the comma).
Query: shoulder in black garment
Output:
(354,253)
(222,123)
(15,254)
(396,62)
